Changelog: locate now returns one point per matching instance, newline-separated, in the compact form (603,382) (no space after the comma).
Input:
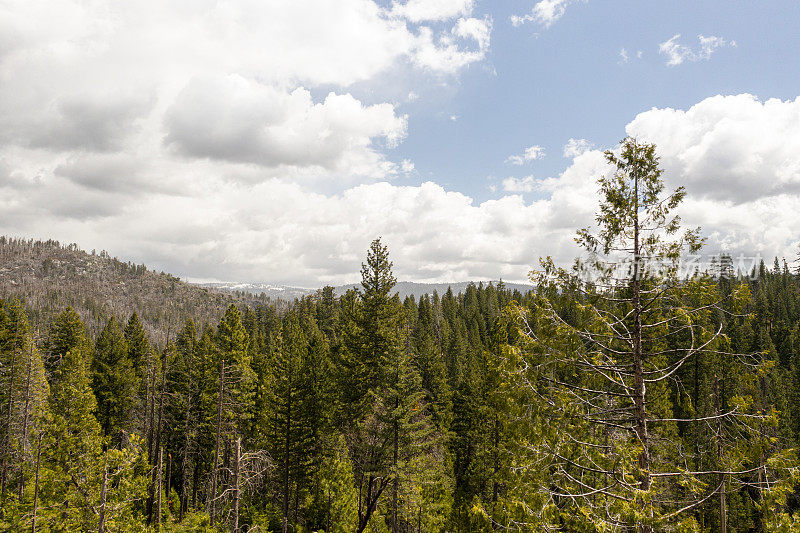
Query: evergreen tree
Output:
(67,332)
(591,379)
(291,439)
(74,438)
(184,382)
(235,395)
(232,345)
(138,345)
(394,436)
(23,393)
(114,383)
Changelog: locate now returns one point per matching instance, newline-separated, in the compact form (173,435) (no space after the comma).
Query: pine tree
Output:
(289,430)
(235,397)
(431,365)
(393,437)
(591,378)
(114,383)
(23,393)
(67,332)
(74,439)
(184,382)
(335,505)
(138,345)
(232,345)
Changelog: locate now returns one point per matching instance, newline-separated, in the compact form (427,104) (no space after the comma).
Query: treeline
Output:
(359,413)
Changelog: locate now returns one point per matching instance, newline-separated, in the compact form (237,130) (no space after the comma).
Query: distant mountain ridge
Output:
(279,292)
(403,288)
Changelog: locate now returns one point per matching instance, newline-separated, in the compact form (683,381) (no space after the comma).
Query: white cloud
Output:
(531,153)
(738,157)
(240,120)
(733,149)
(623,55)
(678,53)
(228,81)
(444,52)
(526,184)
(282,232)
(544,12)
(432,10)
(479,30)
(576,147)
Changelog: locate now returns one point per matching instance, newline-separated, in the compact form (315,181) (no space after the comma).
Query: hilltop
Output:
(50,276)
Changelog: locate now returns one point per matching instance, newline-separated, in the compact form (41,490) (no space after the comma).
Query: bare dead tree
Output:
(248,474)
(101,523)
(158,488)
(36,483)
(215,469)
(236,484)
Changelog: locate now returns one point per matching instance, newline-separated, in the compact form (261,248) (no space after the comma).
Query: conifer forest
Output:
(622,393)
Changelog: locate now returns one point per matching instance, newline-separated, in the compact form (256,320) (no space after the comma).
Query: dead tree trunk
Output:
(236,467)
(36,484)
(287,442)
(155,432)
(25,415)
(158,488)
(639,400)
(372,501)
(184,504)
(101,523)
(396,483)
(169,476)
(7,436)
(213,496)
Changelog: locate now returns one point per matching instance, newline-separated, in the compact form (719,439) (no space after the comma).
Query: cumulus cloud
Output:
(678,53)
(544,12)
(738,157)
(96,122)
(240,120)
(728,148)
(531,153)
(106,172)
(576,147)
(281,232)
(228,81)
(526,184)
(444,51)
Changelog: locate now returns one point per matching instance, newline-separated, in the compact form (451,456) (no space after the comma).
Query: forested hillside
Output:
(49,276)
(637,399)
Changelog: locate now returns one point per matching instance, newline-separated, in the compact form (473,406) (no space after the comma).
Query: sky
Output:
(271,142)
